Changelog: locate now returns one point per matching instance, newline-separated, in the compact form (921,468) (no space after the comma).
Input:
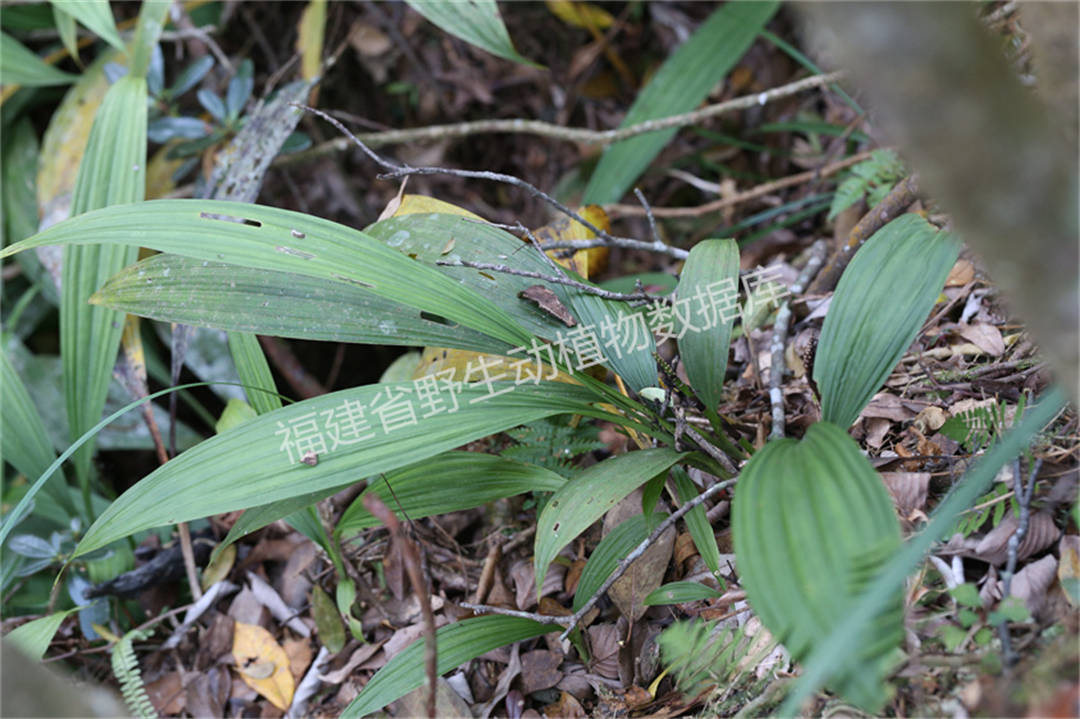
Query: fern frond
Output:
(553,445)
(125,667)
(700,653)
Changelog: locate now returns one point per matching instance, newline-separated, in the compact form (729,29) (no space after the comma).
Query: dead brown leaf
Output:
(167,693)
(984,336)
(540,670)
(1041,533)
(908,490)
(604,643)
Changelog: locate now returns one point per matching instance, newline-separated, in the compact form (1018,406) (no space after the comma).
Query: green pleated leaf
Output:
(678,593)
(96,17)
(811,522)
(112,171)
(586,498)
(20,66)
(697,521)
(880,303)
(619,542)
(254,371)
(33,638)
(709,277)
(475,21)
(280,240)
(325,442)
(457,643)
(848,635)
(680,85)
(447,483)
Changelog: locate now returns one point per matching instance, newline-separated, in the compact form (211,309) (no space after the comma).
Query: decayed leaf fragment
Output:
(263,664)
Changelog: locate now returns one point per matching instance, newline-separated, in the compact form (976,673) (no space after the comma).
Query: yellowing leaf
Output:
(587,263)
(580,14)
(309,39)
(263,664)
(416,204)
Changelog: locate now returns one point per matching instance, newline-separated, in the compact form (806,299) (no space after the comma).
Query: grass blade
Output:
(254,371)
(681,83)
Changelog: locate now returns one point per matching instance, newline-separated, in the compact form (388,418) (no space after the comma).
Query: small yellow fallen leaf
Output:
(263,664)
(580,14)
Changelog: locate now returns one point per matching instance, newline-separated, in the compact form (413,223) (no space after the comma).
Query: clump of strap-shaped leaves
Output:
(812,524)
(810,518)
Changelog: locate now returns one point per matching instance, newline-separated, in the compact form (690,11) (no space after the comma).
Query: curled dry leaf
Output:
(1032,582)
(984,336)
(604,644)
(540,670)
(908,489)
(1041,533)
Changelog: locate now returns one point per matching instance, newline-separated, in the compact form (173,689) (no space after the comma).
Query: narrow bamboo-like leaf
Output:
(881,301)
(19,66)
(697,522)
(309,38)
(809,518)
(273,239)
(588,496)
(447,483)
(681,83)
(679,592)
(33,638)
(458,643)
(619,542)
(328,441)
(96,16)
(857,615)
(475,21)
(711,270)
(254,371)
(112,171)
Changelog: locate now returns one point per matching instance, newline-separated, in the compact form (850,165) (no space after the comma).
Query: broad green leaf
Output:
(681,83)
(457,643)
(680,592)
(586,498)
(20,159)
(342,436)
(880,303)
(254,371)
(273,239)
(711,271)
(848,634)
(20,66)
(696,521)
(447,483)
(96,16)
(279,304)
(475,21)
(619,542)
(441,237)
(112,171)
(810,519)
(24,441)
(33,638)
(327,620)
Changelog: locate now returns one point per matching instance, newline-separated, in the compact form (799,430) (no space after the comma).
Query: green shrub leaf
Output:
(477,22)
